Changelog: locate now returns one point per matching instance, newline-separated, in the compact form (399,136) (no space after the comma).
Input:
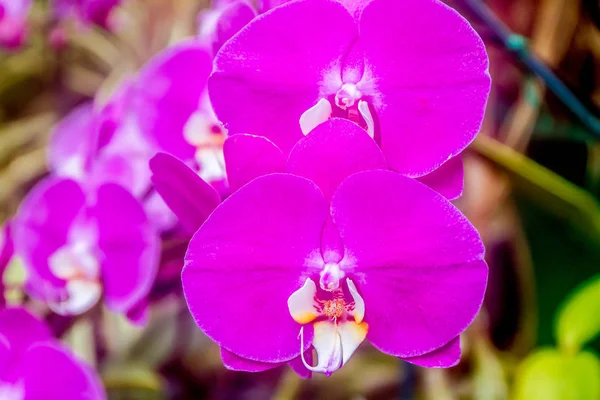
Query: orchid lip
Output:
(315,116)
(337,322)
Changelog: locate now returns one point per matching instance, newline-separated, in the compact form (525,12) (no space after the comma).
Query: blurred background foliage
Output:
(532,190)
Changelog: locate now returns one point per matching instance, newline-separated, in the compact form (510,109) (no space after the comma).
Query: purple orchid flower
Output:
(33,365)
(414,74)
(332,251)
(81,243)
(14,28)
(87,12)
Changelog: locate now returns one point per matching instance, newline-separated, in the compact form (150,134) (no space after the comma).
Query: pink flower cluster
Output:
(312,148)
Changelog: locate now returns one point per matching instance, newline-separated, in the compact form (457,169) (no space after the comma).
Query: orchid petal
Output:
(419,258)
(433,88)
(297,364)
(71,143)
(186,194)
(70,377)
(22,329)
(129,245)
(168,92)
(247,157)
(333,151)
(445,357)
(255,249)
(42,226)
(236,363)
(447,180)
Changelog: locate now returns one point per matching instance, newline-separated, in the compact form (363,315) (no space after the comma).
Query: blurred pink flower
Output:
(14,27)
(80,243)
(34,365)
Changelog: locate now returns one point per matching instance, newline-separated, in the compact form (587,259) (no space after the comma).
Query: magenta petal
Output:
(50,371)
(14,7)
(140,313)
(98,11)
(72,142)
(237,363)
(448,180)
(14,27)
(168,92)
(434,86)
(186,194)
(285,60)
(444,357)
(298,366)
(247,157)
(130,247)
(355,6)
(231,20)
(5,356)
(42,225)
(418,261)
(333,151)
(250,255)
(21,329)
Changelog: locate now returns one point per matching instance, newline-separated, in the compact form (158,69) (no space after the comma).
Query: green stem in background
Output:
(517,45)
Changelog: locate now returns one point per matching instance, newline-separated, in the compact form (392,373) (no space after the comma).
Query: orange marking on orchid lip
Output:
(334,309)
(305,318)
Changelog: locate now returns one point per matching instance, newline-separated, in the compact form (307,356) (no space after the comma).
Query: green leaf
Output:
(550,375)
(562,257)
(579,317)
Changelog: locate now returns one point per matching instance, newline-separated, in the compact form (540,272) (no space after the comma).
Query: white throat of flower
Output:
(338,323)
(204,132)
(323,110)
(77,264)
(12,391)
